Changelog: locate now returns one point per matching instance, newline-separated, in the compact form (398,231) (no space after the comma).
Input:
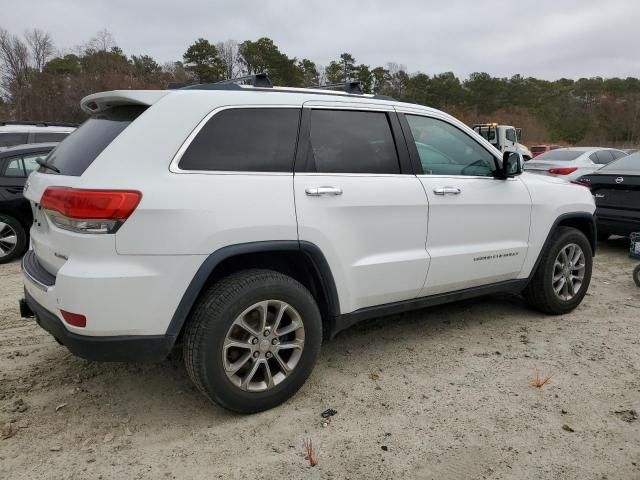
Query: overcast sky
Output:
(543,38)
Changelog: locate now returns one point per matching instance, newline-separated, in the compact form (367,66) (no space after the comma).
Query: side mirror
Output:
(511,164)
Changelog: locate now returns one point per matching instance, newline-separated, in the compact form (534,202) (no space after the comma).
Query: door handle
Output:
(15,189)
(323,191)
(447,191)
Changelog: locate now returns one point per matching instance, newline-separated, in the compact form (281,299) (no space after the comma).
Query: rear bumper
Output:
(618,222)
(122,348)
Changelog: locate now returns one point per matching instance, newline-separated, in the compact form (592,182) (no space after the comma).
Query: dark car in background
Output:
(616,190)
(16,163)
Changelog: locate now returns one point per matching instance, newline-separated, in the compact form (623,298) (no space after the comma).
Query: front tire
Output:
(636,275)
(252,340)
(563,274)
(13,238)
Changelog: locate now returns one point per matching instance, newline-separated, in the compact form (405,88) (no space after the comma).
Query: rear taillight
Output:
(89,211)
(74,319)
(562,171)
(582,183)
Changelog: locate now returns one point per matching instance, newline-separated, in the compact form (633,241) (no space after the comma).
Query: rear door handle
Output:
(447,191)
(323,191)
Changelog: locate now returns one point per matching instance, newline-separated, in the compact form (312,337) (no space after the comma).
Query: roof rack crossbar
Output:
(256,80)
(350,87)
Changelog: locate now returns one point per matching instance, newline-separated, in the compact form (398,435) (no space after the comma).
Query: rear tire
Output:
(636,275)
(13,238)
(242,360)
(563,275)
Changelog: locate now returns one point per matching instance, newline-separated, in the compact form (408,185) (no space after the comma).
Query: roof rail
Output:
(255,80)
(37,124)
(350,87)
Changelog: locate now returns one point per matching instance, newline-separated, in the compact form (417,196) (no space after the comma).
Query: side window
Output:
(348,141)
(510,134)
(246,140)
(30,163)
(602,157)
(49,137)
(11,139)
(616,154)
(14,168)
(446,150)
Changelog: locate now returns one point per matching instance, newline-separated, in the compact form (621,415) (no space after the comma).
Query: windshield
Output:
(76,152)
(489,133)
(562,155)
(630,162)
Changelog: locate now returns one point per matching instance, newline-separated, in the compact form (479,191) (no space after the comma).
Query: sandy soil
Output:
(436,394)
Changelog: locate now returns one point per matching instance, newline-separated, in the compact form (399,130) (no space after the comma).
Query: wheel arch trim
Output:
(582,216)
(199,280)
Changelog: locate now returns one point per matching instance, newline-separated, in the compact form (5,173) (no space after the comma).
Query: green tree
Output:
(310,74)
(264,56)
(203,61)
(342,70)
(145,67)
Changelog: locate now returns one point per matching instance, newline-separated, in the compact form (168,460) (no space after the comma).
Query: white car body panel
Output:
(487,249)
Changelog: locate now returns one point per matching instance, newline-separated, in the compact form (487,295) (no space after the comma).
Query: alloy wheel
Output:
(568,272)
(263,345)
(8,239)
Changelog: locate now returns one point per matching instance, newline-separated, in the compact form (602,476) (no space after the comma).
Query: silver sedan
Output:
(571,163)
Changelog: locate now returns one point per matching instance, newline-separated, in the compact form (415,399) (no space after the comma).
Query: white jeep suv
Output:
(249,223)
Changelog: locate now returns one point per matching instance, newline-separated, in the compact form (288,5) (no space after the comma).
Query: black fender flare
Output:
(562,218)
(310,250)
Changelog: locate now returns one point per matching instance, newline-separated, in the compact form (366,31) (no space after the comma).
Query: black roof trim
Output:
(37,124)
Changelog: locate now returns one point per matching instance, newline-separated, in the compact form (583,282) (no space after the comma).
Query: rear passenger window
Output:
(11,139)
(344,141)
(31,161)
(602,157)
(245,140)
(14,168)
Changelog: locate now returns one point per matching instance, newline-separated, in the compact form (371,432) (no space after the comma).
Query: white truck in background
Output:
(504,138)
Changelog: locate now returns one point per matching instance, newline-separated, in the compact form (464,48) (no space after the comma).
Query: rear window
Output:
(631,162)
(11,139)
(245,140)
(82,147)
(49,137)
(562,155)
(538,149)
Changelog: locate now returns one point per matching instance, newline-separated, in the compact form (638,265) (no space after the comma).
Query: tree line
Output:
(38,82)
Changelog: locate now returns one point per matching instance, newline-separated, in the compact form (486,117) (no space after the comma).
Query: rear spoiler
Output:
(98,102)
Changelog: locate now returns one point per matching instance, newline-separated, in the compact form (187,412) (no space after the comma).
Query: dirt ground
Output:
(442,393)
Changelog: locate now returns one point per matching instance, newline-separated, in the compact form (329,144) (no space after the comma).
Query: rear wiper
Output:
(44,164)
